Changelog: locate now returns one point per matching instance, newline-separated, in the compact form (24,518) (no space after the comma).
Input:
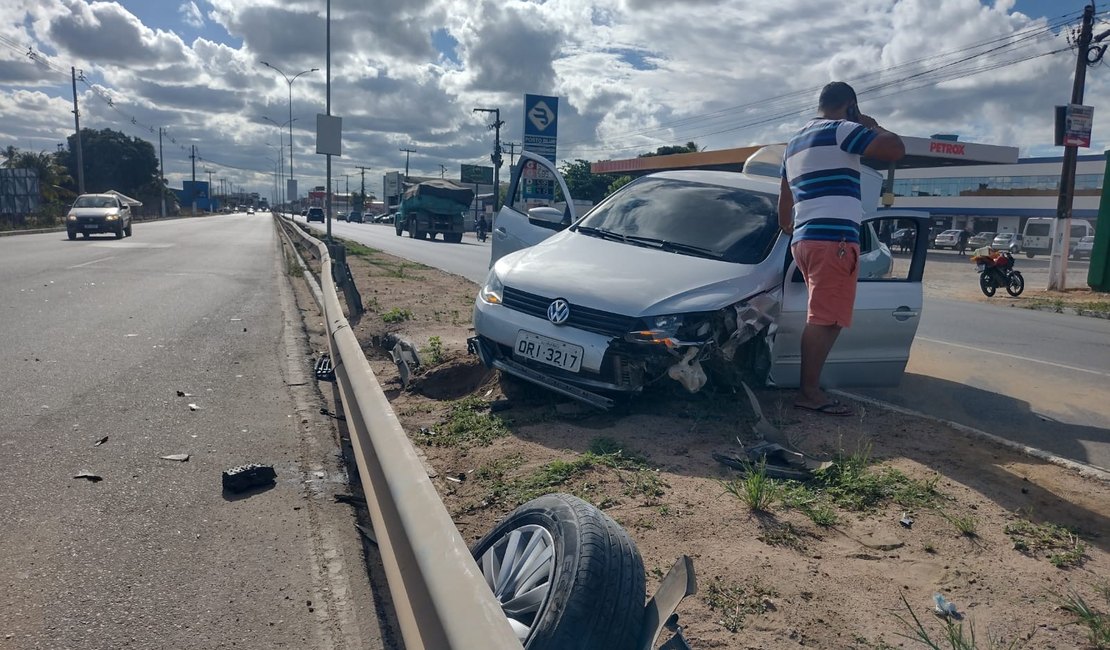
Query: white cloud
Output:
(190,13)
(631,74)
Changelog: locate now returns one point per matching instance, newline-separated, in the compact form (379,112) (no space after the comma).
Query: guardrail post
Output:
(342,273)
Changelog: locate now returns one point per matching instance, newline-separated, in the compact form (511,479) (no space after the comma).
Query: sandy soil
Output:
(768,580)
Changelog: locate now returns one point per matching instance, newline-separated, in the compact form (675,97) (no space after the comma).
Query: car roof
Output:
(738,180)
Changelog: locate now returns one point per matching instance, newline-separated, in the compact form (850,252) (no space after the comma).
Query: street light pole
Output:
(281,151)
(290,81)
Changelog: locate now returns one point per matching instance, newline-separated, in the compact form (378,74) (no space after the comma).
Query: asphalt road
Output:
(96,338)
(1037,378)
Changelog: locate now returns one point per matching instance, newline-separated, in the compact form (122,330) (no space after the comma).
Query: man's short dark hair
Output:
(835,95)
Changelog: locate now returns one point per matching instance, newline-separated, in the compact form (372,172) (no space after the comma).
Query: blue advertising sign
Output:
(541,126)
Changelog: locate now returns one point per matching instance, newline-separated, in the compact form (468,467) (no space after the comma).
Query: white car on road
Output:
(681,275)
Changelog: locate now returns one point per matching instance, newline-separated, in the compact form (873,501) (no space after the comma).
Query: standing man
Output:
(965,235)
(819,204)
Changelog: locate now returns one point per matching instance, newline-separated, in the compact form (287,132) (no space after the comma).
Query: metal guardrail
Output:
(440,597)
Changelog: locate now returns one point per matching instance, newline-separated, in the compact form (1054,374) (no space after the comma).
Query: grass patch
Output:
(953,636)
(469,422)
(966,525)
(1059,544)
(397,315)
(756,490)
(735,602)
(616,455)
(852,484)
(562,474)
(775,533)
(434,351)
(1096,622)
(293,268)
(359,250)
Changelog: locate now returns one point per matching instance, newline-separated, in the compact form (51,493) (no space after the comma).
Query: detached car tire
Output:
(566,574)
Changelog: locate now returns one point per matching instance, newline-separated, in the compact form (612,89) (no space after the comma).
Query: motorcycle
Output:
(996,269)
(480,230)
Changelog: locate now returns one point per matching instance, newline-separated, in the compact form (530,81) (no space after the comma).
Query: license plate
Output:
(550,351)
(981,266)
(91,226)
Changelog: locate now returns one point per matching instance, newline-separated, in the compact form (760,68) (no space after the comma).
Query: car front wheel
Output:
(72,235)
(566,576)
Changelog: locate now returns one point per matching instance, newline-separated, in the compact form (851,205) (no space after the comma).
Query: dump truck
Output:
(432,207)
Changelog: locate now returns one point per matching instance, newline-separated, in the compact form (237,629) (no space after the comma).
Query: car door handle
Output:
(904,313)
(500,233)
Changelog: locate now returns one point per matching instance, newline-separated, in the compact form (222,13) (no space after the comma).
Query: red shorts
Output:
(831,279)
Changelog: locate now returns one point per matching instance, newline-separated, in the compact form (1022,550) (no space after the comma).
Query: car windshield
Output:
(689,218)
(94,202)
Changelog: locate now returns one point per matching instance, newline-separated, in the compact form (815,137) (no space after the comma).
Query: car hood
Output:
(634,280)
(94,212)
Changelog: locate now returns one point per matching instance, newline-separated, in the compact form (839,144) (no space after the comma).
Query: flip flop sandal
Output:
(827,409)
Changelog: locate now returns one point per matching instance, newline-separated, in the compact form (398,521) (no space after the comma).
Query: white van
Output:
(1040,231)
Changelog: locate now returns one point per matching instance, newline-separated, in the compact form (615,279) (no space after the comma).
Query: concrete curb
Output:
(35,231)
(1083,469)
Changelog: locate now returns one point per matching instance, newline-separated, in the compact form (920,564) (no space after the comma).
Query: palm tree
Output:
(10,153)
(51,174)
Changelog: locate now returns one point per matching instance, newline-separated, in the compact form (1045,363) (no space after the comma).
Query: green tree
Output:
(689,147)
(618,183)
(115,161)
(583,183)
(10,153)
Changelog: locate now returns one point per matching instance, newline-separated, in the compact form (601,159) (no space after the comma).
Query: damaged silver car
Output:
(679,276)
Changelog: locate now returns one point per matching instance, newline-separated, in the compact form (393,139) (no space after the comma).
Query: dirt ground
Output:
(824,566)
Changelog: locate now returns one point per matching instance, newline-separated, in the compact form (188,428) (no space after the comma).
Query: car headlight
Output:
(492,289)
(660,330)
(113,217)
(71,217)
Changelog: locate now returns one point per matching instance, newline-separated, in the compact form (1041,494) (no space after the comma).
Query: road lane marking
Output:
(103,259)
(1015,356)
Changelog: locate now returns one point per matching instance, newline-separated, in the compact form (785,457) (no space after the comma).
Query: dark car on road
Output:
(355,216)
(99,213)
(315,214)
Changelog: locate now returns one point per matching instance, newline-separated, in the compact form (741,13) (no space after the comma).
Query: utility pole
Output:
(442,170)
(77,125)
(407,152)
(1058,263)
(209,172)
(193,156)
(161,173)
(327,73)
(362,171)
(512,152)
(495,158)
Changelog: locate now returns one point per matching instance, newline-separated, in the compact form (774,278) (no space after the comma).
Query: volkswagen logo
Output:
(558,311)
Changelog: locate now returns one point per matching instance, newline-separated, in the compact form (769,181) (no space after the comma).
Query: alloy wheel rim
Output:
(519,568)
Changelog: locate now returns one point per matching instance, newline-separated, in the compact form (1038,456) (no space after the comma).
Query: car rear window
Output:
(733,224)
(1038,230)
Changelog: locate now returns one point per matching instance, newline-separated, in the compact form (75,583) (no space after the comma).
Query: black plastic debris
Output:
(350,499)
(323,369)
(88,476)
(246,477)
(101,441)
(498,405)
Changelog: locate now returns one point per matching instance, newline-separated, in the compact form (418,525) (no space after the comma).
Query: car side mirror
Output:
(544,213)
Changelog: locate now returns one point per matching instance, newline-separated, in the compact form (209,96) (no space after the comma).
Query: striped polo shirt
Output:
(821,166)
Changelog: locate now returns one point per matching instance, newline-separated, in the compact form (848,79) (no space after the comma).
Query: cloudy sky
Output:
(631,75)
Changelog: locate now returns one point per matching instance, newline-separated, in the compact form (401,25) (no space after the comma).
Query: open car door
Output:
(522,222)
(875,349)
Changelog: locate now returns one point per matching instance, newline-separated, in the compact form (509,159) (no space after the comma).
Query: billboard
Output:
(476,175)
(391,188)
(291,189)
(19,191)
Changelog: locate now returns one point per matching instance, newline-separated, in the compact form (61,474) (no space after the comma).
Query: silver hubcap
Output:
(519,569)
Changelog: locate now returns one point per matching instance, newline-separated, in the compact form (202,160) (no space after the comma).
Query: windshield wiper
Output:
(676,247)
(600,232)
